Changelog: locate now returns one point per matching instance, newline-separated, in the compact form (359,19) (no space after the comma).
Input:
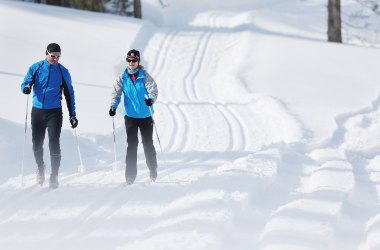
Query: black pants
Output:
(132,125)
(50,119)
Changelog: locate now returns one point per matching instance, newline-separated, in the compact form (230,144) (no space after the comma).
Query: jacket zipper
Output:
(47,85)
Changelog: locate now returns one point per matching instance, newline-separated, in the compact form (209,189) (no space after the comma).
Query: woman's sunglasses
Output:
(132,60)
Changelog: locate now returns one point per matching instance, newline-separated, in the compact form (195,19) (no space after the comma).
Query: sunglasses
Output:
(132,60)
(53,56)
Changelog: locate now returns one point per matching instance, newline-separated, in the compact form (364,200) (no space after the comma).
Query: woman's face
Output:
(132,63)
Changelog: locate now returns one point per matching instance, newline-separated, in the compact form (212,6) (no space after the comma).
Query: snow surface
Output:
(270,135)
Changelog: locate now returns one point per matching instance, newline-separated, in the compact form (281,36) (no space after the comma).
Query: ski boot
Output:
(153,175)
(41,174)
(53,184)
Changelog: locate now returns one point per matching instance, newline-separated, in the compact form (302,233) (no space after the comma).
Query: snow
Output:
(270,135)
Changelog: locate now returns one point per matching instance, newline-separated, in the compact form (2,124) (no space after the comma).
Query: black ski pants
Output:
(132,125)
(50,119)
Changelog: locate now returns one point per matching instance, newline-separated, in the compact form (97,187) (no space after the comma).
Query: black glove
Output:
(149,101)
(112,111)
(27,90)
(74,122)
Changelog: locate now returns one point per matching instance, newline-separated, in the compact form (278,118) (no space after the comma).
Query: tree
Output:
(334,31)
(137,9)
(92,5)
(53,2)
(120,7)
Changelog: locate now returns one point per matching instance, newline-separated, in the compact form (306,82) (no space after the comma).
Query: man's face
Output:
(53,57)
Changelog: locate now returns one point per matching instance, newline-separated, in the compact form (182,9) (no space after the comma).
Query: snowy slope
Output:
(270,135)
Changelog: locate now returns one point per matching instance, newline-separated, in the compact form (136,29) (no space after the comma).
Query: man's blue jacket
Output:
(48,81)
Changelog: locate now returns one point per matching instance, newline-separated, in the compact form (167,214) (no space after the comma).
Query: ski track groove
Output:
(197,58)
(236,130)
(154,63)
(217,49)
(175,132)
(161,59)
(242,127)
(231,126)
(236,127)
(199,64)
(187,128)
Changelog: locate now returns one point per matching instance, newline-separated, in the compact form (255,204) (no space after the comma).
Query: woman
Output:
(140,92)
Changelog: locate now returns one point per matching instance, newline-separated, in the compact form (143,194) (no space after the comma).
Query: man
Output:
(140,92)
(49,79)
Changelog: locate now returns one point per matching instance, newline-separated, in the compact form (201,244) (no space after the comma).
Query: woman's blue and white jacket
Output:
(48,86)
(134,94)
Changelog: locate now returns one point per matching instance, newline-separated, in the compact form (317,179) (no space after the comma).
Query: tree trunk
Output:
(137,9)
(53,2)
(334,31)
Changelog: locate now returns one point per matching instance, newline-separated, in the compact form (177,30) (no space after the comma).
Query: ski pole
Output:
(81,168)
(23,150)
(114,145)
(155,128)
(158,138)
(154,124)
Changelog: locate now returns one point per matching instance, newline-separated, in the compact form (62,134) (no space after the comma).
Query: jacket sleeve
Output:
(116,93)
(68,91)
(151,87)
(28,79)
